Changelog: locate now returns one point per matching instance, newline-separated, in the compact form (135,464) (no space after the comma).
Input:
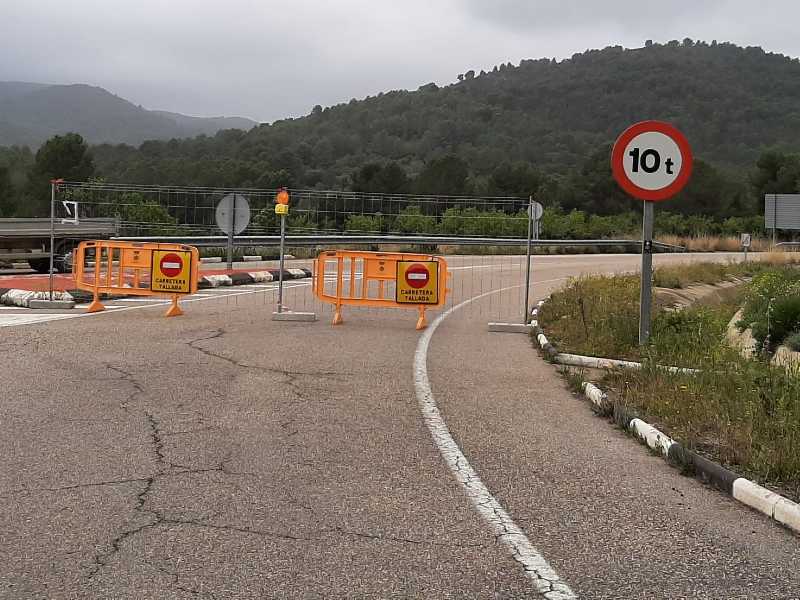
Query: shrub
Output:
(793,341)
(772,305)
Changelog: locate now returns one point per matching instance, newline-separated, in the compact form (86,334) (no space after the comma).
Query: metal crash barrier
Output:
(136,269)
(380,280)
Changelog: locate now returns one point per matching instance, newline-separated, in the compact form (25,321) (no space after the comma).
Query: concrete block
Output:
(788,513)
(211,259)
(305,317)
(251,258)
(595,395)
(261,276)
(218,280)
(60,304)
(651,436)
(509,328)
(755,496)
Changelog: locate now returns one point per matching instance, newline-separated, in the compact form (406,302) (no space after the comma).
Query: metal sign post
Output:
(282,209)
(651,161)
(280,268)
(231,223)
(646,292)
(535,211)
(53,184)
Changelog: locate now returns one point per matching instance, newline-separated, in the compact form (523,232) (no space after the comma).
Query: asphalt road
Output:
(224,455)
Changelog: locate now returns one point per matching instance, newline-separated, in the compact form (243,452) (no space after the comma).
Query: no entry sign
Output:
(171,264)
(171,271)
(417,282)
(652,161)
(417,276)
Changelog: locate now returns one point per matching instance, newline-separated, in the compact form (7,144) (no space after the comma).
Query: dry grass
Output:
(714,243)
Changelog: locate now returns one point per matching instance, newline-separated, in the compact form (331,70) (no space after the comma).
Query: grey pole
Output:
(774,218)
(280,273)
(526,312)
(53,234)
(231,223)
(645,299)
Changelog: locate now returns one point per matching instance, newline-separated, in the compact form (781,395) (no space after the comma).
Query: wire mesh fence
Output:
(165,210)
(498,281)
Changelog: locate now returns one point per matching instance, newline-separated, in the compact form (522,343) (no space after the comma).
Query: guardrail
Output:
(373,240)
(26,228)
(788,244)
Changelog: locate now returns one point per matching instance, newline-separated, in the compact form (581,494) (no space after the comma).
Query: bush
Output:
(793,341)
(772,305)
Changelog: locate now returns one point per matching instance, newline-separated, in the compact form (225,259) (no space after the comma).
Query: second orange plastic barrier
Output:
(381,280)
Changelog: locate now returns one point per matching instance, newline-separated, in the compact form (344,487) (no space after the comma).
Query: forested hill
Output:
(730,101)
(32,112)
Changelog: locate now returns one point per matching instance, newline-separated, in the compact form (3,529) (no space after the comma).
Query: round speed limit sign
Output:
(652,161)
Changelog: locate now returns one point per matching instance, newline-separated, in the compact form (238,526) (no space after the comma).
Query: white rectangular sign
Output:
(782,211)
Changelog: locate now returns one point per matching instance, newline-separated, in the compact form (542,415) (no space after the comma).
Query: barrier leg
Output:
(421,322)
(337,316)
(174,309)
(96,305)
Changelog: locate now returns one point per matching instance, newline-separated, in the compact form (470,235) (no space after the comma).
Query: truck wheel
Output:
(40,265)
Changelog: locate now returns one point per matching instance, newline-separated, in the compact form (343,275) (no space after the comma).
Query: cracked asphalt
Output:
(223,455)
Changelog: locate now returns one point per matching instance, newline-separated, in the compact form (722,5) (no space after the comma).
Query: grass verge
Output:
(742,413)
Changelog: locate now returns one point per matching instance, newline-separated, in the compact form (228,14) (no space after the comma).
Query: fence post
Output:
(526,308)
(52,233)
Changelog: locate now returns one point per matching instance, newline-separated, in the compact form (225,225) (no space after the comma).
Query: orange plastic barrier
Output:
(381,280)
(136,269)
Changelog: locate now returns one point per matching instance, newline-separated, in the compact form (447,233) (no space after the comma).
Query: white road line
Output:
(542,575)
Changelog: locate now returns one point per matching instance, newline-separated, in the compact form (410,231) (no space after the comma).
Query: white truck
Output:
(29,240)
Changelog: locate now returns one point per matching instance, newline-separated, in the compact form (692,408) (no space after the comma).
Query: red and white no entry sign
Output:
(417,276)
(171,265)
(652,161)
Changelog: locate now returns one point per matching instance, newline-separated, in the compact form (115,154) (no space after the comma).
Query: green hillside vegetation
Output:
(543,128)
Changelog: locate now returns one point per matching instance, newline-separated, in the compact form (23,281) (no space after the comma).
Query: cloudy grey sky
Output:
(268,59)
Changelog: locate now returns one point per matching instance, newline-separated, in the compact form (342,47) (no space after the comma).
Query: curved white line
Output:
(543,576)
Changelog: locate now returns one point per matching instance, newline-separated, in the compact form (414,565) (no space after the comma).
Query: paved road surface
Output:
(223,455)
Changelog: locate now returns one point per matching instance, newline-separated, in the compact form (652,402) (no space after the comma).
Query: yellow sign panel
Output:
(281,209)
(417,282)
(171,271)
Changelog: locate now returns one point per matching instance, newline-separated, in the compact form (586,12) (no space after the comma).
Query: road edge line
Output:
(502,526)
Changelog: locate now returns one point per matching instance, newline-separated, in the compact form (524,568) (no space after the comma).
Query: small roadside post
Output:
(535,212)
(53,187)
(746,241)
(651,161)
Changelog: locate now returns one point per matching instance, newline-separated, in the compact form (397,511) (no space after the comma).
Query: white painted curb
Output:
(651,436)
(261,276)
(218,280)
(595,395)
(23,298)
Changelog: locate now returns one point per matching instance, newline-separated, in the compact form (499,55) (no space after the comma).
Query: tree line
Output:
(582,203)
